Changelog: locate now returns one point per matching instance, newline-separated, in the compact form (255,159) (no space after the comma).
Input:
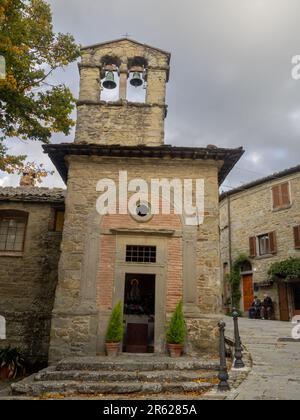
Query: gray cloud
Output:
(230,80)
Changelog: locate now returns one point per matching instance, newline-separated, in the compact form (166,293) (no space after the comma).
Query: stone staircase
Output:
(125,376)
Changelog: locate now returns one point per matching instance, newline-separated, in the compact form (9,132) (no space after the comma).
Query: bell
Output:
(109,82)
(136,80)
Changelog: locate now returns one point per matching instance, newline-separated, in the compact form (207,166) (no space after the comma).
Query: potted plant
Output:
(115,330)
(11,363)
(176,332)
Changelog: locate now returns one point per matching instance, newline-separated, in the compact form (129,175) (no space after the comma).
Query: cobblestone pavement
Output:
(276,364)
(4,387)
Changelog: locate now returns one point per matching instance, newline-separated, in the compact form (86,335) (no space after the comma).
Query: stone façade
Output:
(123,136)
(122,122)
(111,137)
(28,279)
(84,299)
(247,212)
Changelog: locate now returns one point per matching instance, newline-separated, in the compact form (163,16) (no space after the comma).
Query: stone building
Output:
(262,220)
(147,261)
(30,236)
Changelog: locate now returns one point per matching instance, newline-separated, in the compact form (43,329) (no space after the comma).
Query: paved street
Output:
(276,365)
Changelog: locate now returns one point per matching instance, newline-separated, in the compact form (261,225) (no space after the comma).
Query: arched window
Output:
(2,328)
(246,267)
(12,230)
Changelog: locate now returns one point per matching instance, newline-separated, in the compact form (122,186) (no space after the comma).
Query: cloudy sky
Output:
(230,84)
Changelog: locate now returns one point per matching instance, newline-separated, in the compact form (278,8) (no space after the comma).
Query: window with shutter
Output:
(276,197)
(252,244)
(59,221)
(273,242)
(264,244)
(285,194)
(297,236)
(281,196)
(267,244)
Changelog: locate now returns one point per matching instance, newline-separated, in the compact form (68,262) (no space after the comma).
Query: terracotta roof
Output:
(58,152)
(32,194)
(273,177)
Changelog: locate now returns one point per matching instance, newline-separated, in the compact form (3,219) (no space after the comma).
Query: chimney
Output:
(27,178)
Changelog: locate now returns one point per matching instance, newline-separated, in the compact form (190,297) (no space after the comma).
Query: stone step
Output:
(137,364)
(68,388)
(125,376)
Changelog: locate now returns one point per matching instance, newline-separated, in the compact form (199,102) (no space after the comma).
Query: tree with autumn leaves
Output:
(30,107)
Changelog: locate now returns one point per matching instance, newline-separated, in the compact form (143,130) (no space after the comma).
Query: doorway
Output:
(139,313)
(283,302)
(248,292)
(296,295)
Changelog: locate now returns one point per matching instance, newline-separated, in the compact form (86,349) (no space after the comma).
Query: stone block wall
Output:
(79,264)
(28,283)
(121,123)
(252,214)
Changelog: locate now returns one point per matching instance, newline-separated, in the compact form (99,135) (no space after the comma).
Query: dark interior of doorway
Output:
(139,313)
(296,290)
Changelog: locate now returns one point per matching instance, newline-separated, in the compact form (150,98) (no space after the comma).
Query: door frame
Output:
(284,287)
(124,315)
(159,269)
(159,316)
(295,311)
(243,275)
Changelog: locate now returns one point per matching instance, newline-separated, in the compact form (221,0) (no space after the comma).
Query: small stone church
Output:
(63,265)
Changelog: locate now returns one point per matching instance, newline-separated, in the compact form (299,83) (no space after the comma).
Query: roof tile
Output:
(32,194)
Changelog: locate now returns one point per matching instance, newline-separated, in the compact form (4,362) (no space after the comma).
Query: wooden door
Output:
(137,338)
(283,302)
(248,293)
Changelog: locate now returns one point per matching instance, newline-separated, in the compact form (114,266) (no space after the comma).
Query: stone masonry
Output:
(28,279)
(78,298)
(111,123)
(80,208)
(252,214)
(121,136)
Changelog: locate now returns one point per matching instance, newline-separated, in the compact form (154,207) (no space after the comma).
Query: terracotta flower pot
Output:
(4,372)
(175,350)
(112,349)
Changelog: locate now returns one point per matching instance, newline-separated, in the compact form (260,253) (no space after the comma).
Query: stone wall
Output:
(113,123)
(75,316)
(28,282)
(252,214)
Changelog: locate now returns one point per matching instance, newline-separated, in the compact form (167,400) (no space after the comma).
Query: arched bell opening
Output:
(137,80)
(110,82)
(136,87)
(110,78)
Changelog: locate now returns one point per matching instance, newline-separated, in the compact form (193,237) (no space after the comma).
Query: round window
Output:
(142,212)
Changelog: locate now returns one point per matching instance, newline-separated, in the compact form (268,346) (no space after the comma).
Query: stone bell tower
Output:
(120,121)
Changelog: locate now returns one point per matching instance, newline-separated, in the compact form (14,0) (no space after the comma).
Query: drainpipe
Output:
(229,242)
(229,232)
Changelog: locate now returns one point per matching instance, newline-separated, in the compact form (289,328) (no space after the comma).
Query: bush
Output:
(12,359)
(288,269)
(115,329)
(176,331)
